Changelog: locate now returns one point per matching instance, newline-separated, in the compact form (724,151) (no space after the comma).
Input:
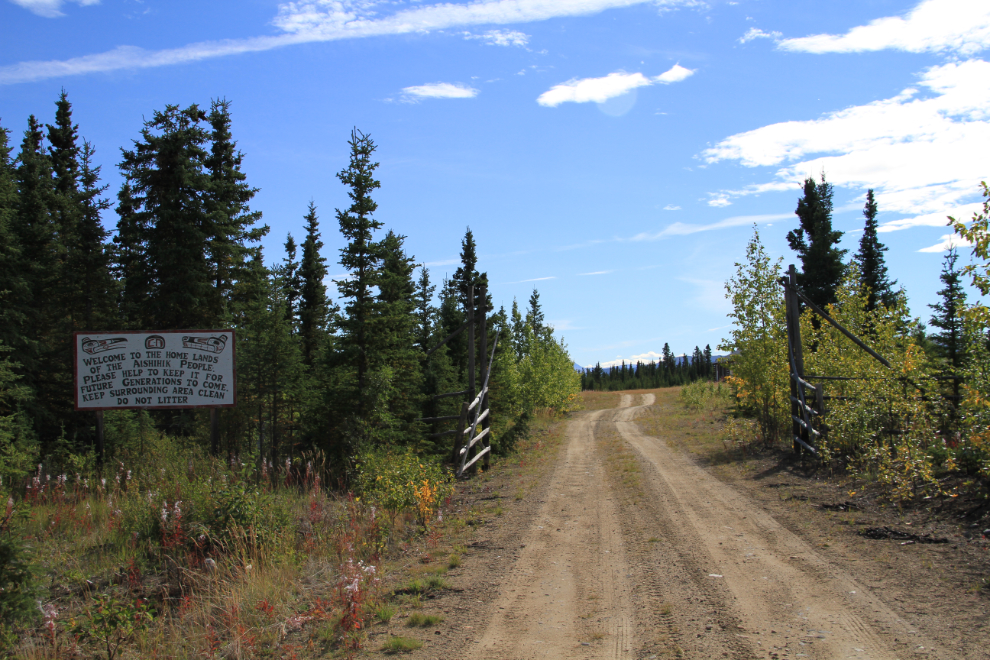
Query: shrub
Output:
(399,482)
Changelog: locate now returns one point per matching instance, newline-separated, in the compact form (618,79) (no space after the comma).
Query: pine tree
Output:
(873,270)
(89,260)
(669,361)
(15,293)
(424,310)
(313,305)
(949,343)
(396,349)
(169,194)
(708,361)
(362,258)
(291,282)
(518,331)
(534,316)
(815,242)
(231,221)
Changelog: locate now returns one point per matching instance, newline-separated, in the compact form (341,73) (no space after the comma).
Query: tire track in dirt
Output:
(567,595)
(787,599)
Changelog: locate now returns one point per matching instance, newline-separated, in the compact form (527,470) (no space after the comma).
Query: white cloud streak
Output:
(324,20)
(756,33)
(935,26)
(50,8)
(672,207)
(947,242)
(501,38)
(439,90)
(614,84)
(922,150)
(683,229)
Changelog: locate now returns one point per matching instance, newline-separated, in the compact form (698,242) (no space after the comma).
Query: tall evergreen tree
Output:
(869,258)
(89,260)
(949,343)
(313,305)
(534,315)
(169,191)
(232,224)
(362,258)
(15,294)
(669,361)
(396,348)
(291,283)
(815,242)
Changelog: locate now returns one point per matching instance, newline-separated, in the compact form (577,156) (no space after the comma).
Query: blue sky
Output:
(613,153)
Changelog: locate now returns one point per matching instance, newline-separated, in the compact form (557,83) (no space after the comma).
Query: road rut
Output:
(670,562)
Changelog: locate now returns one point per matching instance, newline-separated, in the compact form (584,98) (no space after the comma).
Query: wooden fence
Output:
(470,446)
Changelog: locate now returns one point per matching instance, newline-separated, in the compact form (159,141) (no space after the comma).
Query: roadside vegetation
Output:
(274,539)
(917,428)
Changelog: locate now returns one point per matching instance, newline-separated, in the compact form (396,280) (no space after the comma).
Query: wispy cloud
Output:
(756,33)
(947,242)
(923,151)
(614,84)
(50,8)
(501,37)
(439,90)
(683,229)
(958,26)
(672,207)
(535,279)
(941,219)
(322,20)
(598,272)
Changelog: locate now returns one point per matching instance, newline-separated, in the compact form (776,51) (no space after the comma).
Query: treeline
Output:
(667,372)
(909,425)
(314,373)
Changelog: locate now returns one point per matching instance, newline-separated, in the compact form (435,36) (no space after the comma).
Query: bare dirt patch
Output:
(612,542)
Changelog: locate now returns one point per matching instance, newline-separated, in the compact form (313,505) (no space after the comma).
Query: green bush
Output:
(18,587)
(399,482)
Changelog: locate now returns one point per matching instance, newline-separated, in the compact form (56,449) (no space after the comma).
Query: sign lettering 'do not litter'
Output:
(165,369)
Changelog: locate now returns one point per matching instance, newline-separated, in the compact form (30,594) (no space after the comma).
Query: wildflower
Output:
(128,475)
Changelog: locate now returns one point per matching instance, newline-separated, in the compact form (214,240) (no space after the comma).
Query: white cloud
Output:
(536,279)
(947,242)
(756,33)
(672,207)
(325,20)
(600,90)
(959,26)
(50,8)
(923,151)
(719,201)
(598,272)
(939,219)
(439,90)
(676,73)
(683,229)
(501,37)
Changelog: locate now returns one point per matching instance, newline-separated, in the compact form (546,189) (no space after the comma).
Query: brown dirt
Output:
(623,545)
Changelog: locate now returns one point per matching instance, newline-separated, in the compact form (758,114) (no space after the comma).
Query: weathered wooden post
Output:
(459,436)
(796,356)
(214,431)
(487,421)
(99,437)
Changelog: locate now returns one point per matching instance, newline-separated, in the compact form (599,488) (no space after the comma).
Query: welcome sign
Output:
(165,369)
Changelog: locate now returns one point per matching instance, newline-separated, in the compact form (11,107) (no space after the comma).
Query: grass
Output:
(401,645)
(385,611)
(454,561)
(420,620)
(599,400)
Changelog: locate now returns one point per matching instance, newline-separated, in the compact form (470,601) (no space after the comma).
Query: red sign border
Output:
(75,367)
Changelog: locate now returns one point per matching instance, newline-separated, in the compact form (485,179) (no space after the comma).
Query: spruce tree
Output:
(949,343)
(169,191)
(15,294)
(869,258)
(313,305)
(232,224)
(362,258)
(291,283)
(815,242)
(534,316)
(89,260)
(395,345)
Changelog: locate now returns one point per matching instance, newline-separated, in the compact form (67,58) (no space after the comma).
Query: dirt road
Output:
(635,552)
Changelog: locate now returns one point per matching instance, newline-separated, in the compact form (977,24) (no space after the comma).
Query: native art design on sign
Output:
(154,341)
(94,346)
(214,344)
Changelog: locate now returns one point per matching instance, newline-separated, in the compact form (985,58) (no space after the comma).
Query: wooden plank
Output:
(445,418)
(474,441)
(483,452)
(477,399)
(804,425)
(449,337)
(483,415)
(809,410)
(805,383)
(856,340)
(805,445)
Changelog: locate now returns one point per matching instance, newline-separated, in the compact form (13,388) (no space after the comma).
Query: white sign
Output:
(167,369)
